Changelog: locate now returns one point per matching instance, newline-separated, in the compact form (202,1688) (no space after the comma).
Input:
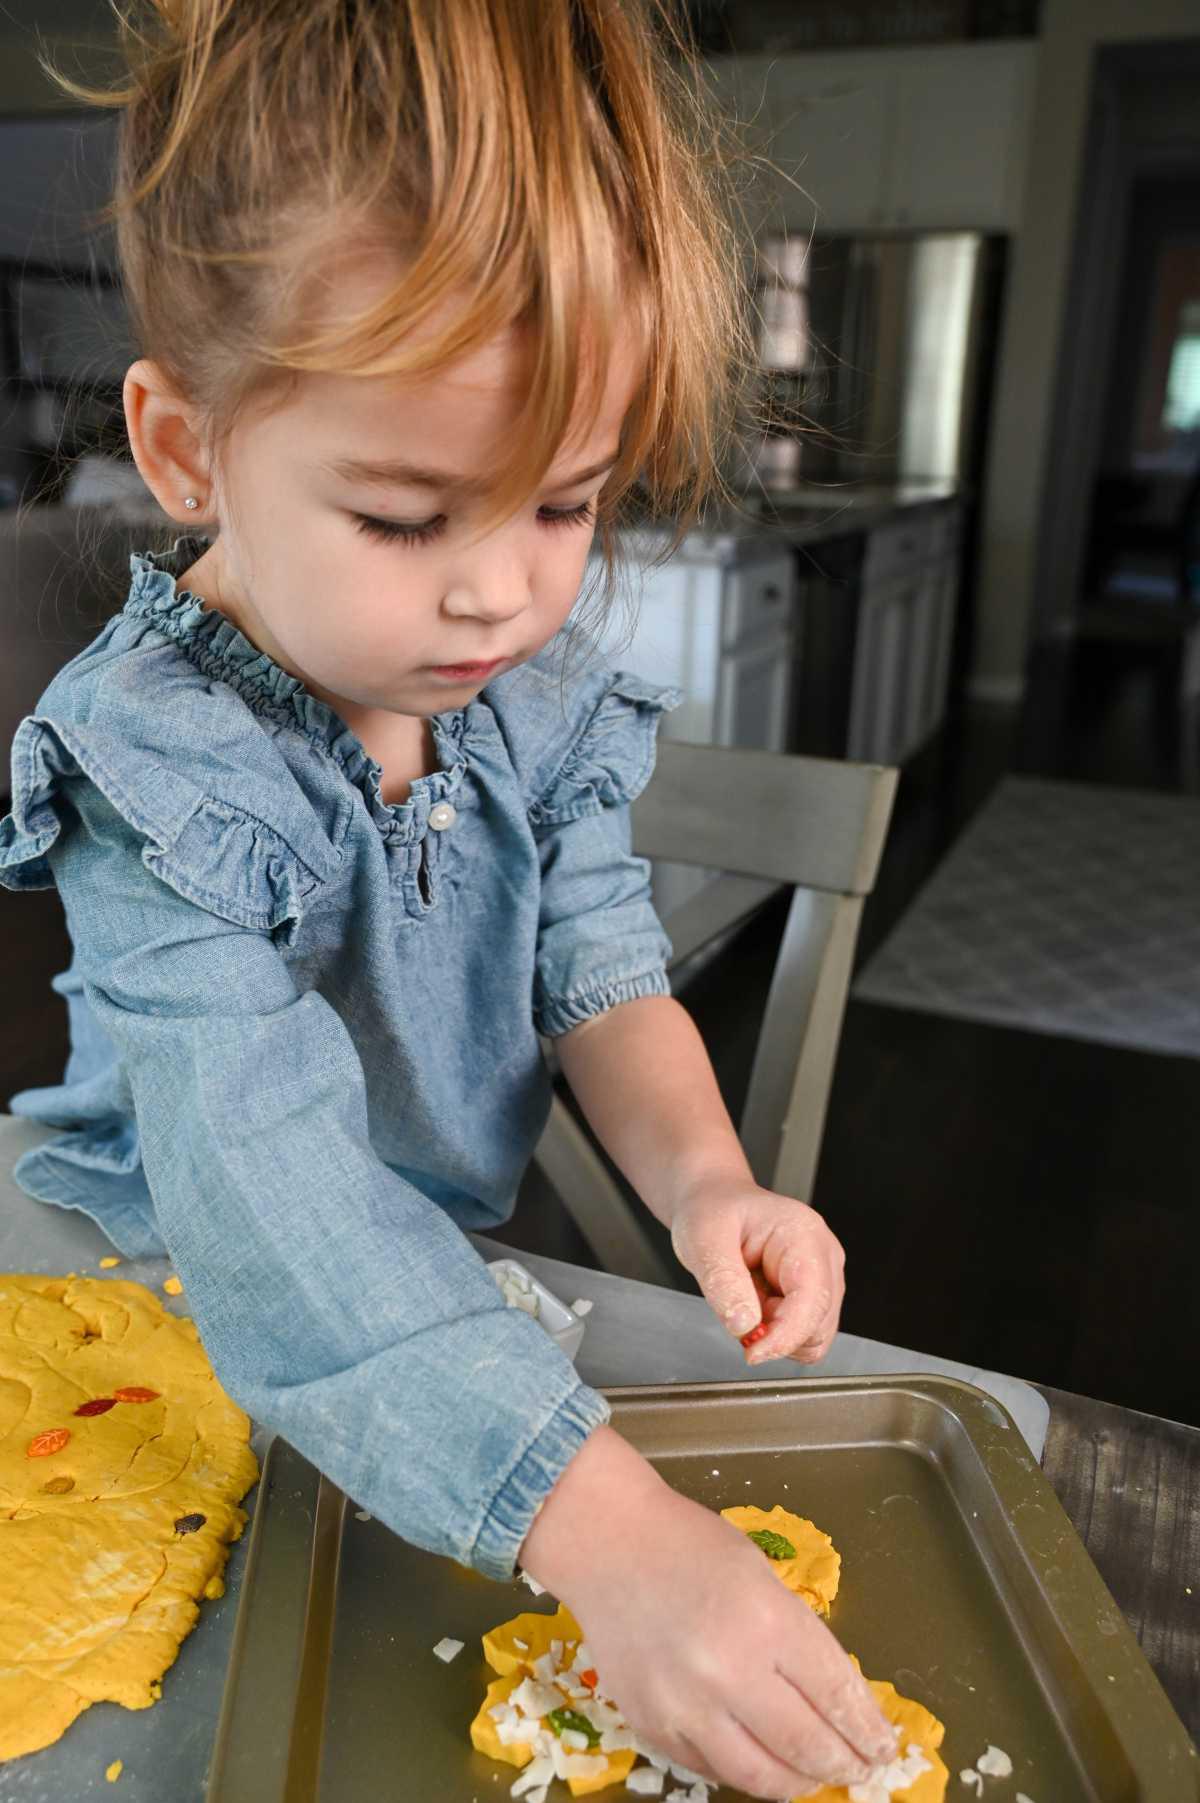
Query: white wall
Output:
(1072,30)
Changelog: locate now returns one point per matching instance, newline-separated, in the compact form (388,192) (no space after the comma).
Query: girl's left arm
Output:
(644,1081)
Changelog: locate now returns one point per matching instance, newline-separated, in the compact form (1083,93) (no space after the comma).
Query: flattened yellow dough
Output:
(537,1631)
(484,1737)
(515,1664)
(813,1574)
(619,1767)
(918,1726)
(98,1579)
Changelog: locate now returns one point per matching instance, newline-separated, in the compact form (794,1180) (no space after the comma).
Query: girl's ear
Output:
(165,445)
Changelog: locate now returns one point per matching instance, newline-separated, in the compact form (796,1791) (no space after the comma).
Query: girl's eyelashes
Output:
(393,532)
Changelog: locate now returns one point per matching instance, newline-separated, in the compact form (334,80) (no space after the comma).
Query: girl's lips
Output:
(467,670)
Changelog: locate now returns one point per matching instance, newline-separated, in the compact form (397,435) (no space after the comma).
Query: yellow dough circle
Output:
(515,1664)
(114,1522)
(814,1572)
(918,1727)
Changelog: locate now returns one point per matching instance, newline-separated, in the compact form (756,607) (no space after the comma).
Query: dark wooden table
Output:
(1131,1486)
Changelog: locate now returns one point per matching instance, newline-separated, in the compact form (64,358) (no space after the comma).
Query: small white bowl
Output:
(560,1322)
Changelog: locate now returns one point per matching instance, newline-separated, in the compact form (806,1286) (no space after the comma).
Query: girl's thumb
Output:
(715,1261)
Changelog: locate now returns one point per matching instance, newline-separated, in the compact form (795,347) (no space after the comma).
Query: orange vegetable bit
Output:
(590,1677)
(134,1393)
(42,1445)
(756,1333)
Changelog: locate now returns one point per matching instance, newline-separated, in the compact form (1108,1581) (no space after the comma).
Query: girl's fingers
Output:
(797,1321)
(746,1764)
(792,1730)
(814,1666)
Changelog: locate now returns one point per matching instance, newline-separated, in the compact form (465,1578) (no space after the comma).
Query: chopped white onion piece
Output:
(685,1774)
(581,1306)
(449,1649)
(885,1780)
(645,1781)
(538,1771)
(524,1730)
(994,1763)
(535,1698)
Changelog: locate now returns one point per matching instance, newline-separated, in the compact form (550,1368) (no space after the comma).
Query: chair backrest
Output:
(770,820)
(815,821)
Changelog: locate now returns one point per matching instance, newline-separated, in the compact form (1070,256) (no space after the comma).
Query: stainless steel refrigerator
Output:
(877,353)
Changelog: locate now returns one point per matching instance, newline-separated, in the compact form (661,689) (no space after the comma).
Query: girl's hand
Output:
(709,1657)
(762,1259)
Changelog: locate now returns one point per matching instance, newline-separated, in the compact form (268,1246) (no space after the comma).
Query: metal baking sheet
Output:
(963,1582)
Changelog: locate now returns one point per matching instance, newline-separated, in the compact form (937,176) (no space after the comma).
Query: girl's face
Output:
(349,551)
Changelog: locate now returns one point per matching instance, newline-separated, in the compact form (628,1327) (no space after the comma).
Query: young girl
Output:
(423,287)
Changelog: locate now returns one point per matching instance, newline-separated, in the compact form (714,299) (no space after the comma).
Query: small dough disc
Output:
(813,1574)
(917,1727)
(515,1664)
(112,1523)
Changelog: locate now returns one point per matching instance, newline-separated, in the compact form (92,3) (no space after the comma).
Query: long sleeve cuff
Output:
(503,1529)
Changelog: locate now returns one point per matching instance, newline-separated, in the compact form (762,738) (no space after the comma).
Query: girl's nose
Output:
(496,599)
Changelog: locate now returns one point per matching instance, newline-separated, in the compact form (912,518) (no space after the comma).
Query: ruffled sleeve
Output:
(612,758)
(210,852)
(600,941)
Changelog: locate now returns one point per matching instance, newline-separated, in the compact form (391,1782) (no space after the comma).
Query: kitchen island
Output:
(1129,1482)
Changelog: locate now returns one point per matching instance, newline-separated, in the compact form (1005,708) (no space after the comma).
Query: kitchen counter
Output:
(1130,1483)
(805,515)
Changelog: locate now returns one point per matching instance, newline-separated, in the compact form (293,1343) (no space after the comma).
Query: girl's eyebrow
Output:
(395,471)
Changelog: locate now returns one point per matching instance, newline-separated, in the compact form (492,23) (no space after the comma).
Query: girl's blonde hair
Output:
(556,162)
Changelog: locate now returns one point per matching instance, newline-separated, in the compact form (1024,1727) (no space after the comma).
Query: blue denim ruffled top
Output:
(304,1029)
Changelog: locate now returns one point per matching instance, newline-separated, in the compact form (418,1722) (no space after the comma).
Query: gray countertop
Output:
(779,519)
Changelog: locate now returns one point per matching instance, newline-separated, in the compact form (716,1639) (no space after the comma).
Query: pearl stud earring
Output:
(191,501)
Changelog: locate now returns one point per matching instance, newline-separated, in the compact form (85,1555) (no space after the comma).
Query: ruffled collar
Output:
(220,649)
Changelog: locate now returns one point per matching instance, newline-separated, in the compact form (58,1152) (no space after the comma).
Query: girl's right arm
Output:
(707,1654)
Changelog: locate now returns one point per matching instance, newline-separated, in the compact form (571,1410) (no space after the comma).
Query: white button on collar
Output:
(441,816)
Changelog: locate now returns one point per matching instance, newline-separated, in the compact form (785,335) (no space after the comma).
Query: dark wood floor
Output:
(1018,1201)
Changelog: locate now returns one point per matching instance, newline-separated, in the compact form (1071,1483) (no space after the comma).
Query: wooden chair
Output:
(767,821)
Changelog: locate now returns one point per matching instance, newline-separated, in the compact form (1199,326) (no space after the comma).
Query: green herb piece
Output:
(571,1718)
(774,1545)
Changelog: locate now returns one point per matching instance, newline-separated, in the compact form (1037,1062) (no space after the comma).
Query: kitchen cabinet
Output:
(932,138)
(842,651)
(718,623)
(721,628)
(878,629)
